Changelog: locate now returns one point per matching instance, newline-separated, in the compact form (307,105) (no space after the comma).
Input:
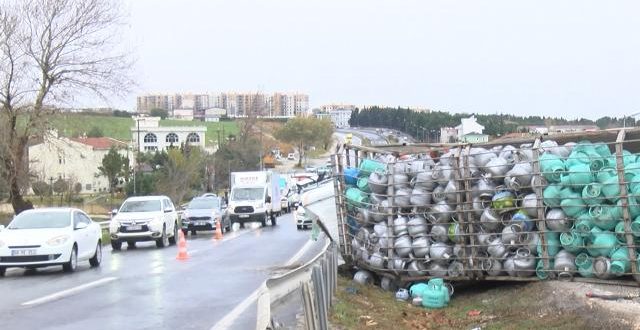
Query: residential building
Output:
(148,135)
(183,114)
(236,104)
(146,103)
(73,159)
(469,125)
(468,131)
(448,135)
(214,114)
(337,106)
(339,117)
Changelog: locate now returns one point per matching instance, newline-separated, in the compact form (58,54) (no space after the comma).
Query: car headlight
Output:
(58,240)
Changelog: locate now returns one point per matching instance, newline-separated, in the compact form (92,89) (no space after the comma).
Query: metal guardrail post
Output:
(309,312)
(319,289)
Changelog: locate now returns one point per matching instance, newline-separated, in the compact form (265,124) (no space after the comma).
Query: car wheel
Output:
(163,240)
(264,221)
(273,221)
(116,245)
(71,265)
(185,232)
(3,270)
(299,227)
(97,257)
(173,239)
(193,232)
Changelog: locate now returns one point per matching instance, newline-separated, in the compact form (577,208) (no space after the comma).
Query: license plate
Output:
(29,252)
(244,215)
(201,223)
(134,227)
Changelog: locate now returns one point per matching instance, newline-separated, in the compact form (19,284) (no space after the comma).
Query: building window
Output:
(172,138)
(193,138)
(150,138)
(150,148)
(87,186)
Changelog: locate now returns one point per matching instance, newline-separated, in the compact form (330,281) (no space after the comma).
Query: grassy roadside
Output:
(500,306)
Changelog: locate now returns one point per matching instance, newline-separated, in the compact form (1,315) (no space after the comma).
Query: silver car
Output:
(202,213)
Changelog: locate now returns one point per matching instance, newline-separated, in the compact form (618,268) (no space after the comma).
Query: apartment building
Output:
(237,104)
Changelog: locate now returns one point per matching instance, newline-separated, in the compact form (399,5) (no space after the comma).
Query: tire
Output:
(116,245)
(299,227)
(174,239)
(264,221)
(3,271)
(163,241)
(71,265)
(193,232)
(185,232)
(97,257)
(274,221)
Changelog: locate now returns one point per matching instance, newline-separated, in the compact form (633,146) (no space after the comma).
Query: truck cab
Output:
(251,198)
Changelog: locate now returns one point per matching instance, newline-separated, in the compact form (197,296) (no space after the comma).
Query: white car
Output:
(303,220)
(149,218)
(49,237)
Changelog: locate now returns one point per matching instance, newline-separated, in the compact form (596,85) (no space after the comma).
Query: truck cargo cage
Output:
(561,207)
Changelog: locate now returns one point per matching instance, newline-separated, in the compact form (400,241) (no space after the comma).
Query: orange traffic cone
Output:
(182,247)
(218,234)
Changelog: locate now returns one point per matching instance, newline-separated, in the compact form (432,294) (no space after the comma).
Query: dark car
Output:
(202,213)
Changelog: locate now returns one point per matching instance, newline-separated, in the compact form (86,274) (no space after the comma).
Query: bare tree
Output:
(50,50)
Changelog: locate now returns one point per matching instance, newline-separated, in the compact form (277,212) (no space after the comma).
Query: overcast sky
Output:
(571,58)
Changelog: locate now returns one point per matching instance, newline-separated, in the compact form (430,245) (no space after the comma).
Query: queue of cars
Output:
(65,236)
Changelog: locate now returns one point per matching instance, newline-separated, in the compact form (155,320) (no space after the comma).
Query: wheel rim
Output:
(99,253)
(74,259)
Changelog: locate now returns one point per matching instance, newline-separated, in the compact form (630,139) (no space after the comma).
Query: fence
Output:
(524,210)
(316,281)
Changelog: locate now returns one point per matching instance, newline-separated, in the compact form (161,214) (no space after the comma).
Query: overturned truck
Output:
(551,207)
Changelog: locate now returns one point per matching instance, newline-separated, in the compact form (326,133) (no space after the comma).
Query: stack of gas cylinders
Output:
(547,211)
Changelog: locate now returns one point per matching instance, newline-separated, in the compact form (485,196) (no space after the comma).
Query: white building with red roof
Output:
(73,159)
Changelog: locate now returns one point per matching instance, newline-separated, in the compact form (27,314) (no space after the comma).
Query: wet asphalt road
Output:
(147,288)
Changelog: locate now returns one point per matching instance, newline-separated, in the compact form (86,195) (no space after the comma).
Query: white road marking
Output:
(237,311)
(69,292)
(229,238)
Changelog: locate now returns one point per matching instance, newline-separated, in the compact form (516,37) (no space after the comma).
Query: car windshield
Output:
(204,203)
(37,220)
(247,194)
(141,206)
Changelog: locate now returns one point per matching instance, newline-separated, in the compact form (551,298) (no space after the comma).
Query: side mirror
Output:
(114,212)
(168,210)
(81,225)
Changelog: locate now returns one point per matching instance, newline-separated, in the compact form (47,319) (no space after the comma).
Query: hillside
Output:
(119,127)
